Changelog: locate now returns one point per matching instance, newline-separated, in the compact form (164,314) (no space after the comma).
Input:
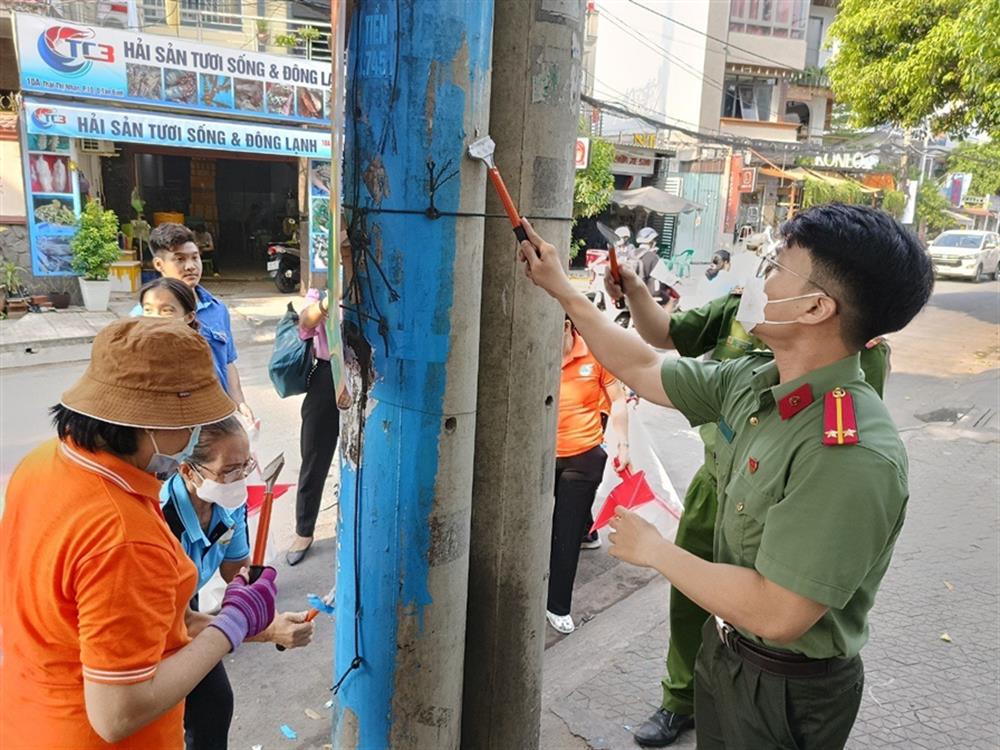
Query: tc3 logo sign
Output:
(70,51)
(45,118)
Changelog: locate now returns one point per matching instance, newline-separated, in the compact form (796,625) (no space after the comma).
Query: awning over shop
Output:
(655,200)
(803,173)
(157,129)
(780,174)
(962,219)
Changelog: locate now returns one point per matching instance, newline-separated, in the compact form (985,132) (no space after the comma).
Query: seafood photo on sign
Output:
(249,94)
(53,254)
(180,86)
(279,99)
(320,214)
(54,144)
(319,177)
(49,174)
(320,251)
(216,91)
(143,81)
(53,212)
(310,102)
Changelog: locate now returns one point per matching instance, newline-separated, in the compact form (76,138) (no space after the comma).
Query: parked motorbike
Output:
(284,266)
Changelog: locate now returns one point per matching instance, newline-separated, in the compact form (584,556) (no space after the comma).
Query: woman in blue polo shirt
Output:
(204,504)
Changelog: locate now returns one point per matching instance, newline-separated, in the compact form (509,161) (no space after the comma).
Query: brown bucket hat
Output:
(155,373)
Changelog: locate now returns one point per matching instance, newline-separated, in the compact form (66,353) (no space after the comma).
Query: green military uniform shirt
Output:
(818,520)
(714,328)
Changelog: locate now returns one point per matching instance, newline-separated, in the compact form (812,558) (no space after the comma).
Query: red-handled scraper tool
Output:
(483,149)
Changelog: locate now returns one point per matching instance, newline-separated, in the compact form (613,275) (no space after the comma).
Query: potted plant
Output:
(95,248)
(263,34)
(286,40)
(14,300)
(60,290)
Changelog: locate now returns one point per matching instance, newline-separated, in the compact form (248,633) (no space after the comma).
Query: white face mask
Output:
(754,301)
(229,496)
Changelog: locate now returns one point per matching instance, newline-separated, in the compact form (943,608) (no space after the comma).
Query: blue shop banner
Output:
(153,129)
(60,58)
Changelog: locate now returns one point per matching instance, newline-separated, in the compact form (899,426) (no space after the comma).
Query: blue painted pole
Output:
(417,94)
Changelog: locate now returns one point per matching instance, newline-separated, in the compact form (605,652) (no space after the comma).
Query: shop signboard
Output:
(52,198)
(154,129)
(582,153)
(60,58)
(319,216)
(748,179)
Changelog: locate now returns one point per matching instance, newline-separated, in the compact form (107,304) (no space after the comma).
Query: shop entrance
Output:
(242,203)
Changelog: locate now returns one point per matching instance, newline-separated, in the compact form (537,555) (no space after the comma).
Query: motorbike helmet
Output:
(646,236)
(624,234)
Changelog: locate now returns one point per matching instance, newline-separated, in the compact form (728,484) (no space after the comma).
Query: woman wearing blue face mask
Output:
(99,645)
(204,504)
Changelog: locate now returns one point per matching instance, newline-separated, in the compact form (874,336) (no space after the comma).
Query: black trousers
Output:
(208,712)
(740,707)
(318,442)
(577,480)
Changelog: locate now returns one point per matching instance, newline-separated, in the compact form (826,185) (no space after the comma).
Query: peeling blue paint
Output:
(415,44)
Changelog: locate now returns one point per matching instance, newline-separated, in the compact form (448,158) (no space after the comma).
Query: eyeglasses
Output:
(233,475)
(769,262)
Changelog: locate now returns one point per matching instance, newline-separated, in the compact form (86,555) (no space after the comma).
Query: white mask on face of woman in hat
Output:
(754,301)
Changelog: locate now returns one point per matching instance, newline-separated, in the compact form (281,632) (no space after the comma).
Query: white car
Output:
(966,253)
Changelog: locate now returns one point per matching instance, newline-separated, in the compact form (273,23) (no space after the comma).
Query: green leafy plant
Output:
(907,61)
(10,278)
(286,40)
(593,186)
(894,202)
(982,161)
(95,244)
(816,192)
(932,207)
(309,34)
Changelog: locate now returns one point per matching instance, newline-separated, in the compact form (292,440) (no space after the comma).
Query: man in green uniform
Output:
(811,474)
(710,330)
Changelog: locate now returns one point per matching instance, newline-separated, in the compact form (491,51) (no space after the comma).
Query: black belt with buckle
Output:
(784,663)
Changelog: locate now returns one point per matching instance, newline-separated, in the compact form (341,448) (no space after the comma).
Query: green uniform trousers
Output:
(695,533)
(740,707)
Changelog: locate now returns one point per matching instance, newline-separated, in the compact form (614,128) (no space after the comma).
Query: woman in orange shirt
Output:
(585,389)
(98,644)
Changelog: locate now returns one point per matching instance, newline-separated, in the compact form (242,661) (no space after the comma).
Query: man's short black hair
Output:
(166,237)
(722,255)
(877,269)
(93,434)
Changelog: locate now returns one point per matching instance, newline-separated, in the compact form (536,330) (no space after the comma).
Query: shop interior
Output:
(243,203)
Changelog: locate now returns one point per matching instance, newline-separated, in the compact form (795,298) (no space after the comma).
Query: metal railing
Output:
(812,77)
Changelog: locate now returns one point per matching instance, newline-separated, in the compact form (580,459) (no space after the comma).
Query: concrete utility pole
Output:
(537,57)
(417,94)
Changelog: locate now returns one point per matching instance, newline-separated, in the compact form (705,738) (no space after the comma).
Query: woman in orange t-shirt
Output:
(584,392)
(98,644)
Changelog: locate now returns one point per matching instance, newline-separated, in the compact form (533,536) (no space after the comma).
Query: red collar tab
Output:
(795,401)
(840,424)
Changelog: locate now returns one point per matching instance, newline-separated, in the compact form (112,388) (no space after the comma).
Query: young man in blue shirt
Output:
(176,256)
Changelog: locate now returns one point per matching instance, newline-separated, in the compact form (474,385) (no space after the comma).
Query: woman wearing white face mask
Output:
(204,504)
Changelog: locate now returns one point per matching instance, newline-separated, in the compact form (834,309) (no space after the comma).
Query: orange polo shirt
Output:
(583,394)
(93,585)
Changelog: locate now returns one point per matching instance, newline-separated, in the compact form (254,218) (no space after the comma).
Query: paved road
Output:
(945,367)
(921,691)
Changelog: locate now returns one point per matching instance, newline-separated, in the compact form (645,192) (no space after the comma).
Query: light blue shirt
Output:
(233,545)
